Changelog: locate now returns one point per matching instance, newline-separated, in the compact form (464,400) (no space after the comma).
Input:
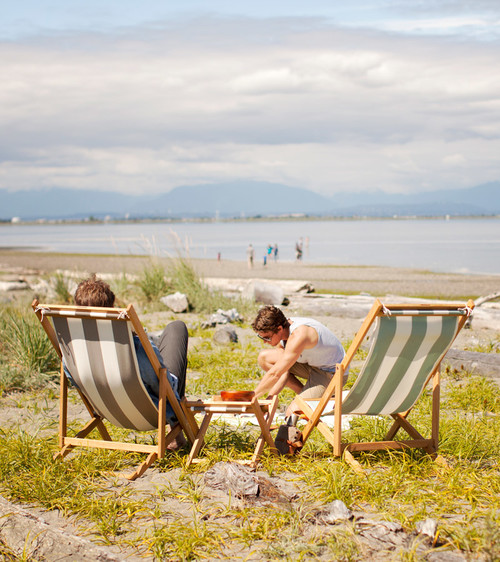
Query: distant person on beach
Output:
(275,252)
(171,350)
(298,250)
(250,256)
(301,348)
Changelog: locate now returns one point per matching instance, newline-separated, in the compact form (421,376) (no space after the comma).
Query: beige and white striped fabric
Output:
(99,353)
(405,350)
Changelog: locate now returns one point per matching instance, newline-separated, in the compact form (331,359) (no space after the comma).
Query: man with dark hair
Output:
(94,292)
(171,349)
(301,348)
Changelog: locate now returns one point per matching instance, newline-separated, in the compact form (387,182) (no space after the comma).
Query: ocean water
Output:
(456,245)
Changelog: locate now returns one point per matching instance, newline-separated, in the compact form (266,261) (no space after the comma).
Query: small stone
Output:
(177,302)
(427,527)
(226,334)
(335,512)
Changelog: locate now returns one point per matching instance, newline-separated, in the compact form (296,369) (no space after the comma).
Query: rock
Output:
(427,527)
(383,534)
(335,512)
(27,534)
(475,362)
(226,334)
(265,293)
(177,302)
(242,482)
(19,285)
(223,317)
(233,477)
(234,286)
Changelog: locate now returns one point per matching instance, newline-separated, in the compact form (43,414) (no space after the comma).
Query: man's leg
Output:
(315,386)
(173,343)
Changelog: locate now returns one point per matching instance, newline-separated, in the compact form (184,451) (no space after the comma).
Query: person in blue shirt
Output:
(170,348)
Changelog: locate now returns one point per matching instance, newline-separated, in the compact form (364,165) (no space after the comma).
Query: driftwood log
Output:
(478,302)
(485,364)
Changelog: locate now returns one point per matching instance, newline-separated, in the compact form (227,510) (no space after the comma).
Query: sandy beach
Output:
(350,280)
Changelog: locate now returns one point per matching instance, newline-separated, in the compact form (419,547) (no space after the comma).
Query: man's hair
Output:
(94,292)
(269,319)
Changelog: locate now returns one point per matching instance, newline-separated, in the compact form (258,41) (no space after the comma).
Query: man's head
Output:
(94,292)
(269,321)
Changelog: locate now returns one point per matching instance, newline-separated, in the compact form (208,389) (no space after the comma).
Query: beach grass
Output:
(180,520)
(461,492)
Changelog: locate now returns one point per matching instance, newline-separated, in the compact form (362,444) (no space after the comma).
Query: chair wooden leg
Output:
(190,418)
(337,428)
(199,439)
(265,426)
(353,463)
(141,469)
(63,407)
(172,434)
(436,391)
(87,428)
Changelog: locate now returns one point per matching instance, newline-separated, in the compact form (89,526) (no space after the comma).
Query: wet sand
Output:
(376,281)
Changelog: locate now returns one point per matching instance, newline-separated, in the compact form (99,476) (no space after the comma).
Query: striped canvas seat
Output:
(407,347)
(99,353)
(97,347)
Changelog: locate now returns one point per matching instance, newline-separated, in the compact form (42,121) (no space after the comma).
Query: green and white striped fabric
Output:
(100,355)
(404,351)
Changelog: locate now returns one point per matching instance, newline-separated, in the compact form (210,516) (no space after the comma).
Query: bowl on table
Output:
(237,395)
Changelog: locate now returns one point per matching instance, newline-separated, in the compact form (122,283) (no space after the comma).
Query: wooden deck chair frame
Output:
(263,410)
(156,416)
(459,313)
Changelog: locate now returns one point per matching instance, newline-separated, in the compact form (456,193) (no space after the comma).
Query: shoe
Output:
(288,440)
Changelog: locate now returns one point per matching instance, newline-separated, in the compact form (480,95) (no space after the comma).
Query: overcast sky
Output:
(328,95)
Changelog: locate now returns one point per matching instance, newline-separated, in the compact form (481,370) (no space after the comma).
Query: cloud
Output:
(299,101)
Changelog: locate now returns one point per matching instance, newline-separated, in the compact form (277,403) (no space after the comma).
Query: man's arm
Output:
(275,379)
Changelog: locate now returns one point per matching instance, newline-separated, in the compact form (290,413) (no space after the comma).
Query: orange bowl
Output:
(237,395)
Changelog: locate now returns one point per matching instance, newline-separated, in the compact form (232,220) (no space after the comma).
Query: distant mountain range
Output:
(244,199)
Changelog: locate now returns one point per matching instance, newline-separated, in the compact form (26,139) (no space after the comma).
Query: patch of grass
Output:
(493,346)
(474,394)
(27,358)
(123,288)
(229,367)
(408,486)
(61,286)
(156,281)
(152,282)
(176,540)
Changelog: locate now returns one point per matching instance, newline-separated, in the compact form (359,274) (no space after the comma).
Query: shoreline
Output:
(378,281)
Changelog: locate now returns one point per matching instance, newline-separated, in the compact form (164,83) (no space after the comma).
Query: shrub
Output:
(152,282)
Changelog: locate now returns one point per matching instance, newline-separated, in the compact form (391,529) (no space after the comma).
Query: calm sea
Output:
(456,245)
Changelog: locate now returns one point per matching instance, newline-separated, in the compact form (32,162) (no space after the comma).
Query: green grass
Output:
(178,520)
(406,486)
(61,288)
(27,358)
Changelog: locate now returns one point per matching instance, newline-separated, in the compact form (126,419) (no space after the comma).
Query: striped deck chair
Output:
(263,410)
(98,349)
(406,350)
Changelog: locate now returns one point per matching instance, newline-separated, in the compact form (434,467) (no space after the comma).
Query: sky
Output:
(331,96)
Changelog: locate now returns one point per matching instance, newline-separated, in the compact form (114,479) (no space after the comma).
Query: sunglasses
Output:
(264,338)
